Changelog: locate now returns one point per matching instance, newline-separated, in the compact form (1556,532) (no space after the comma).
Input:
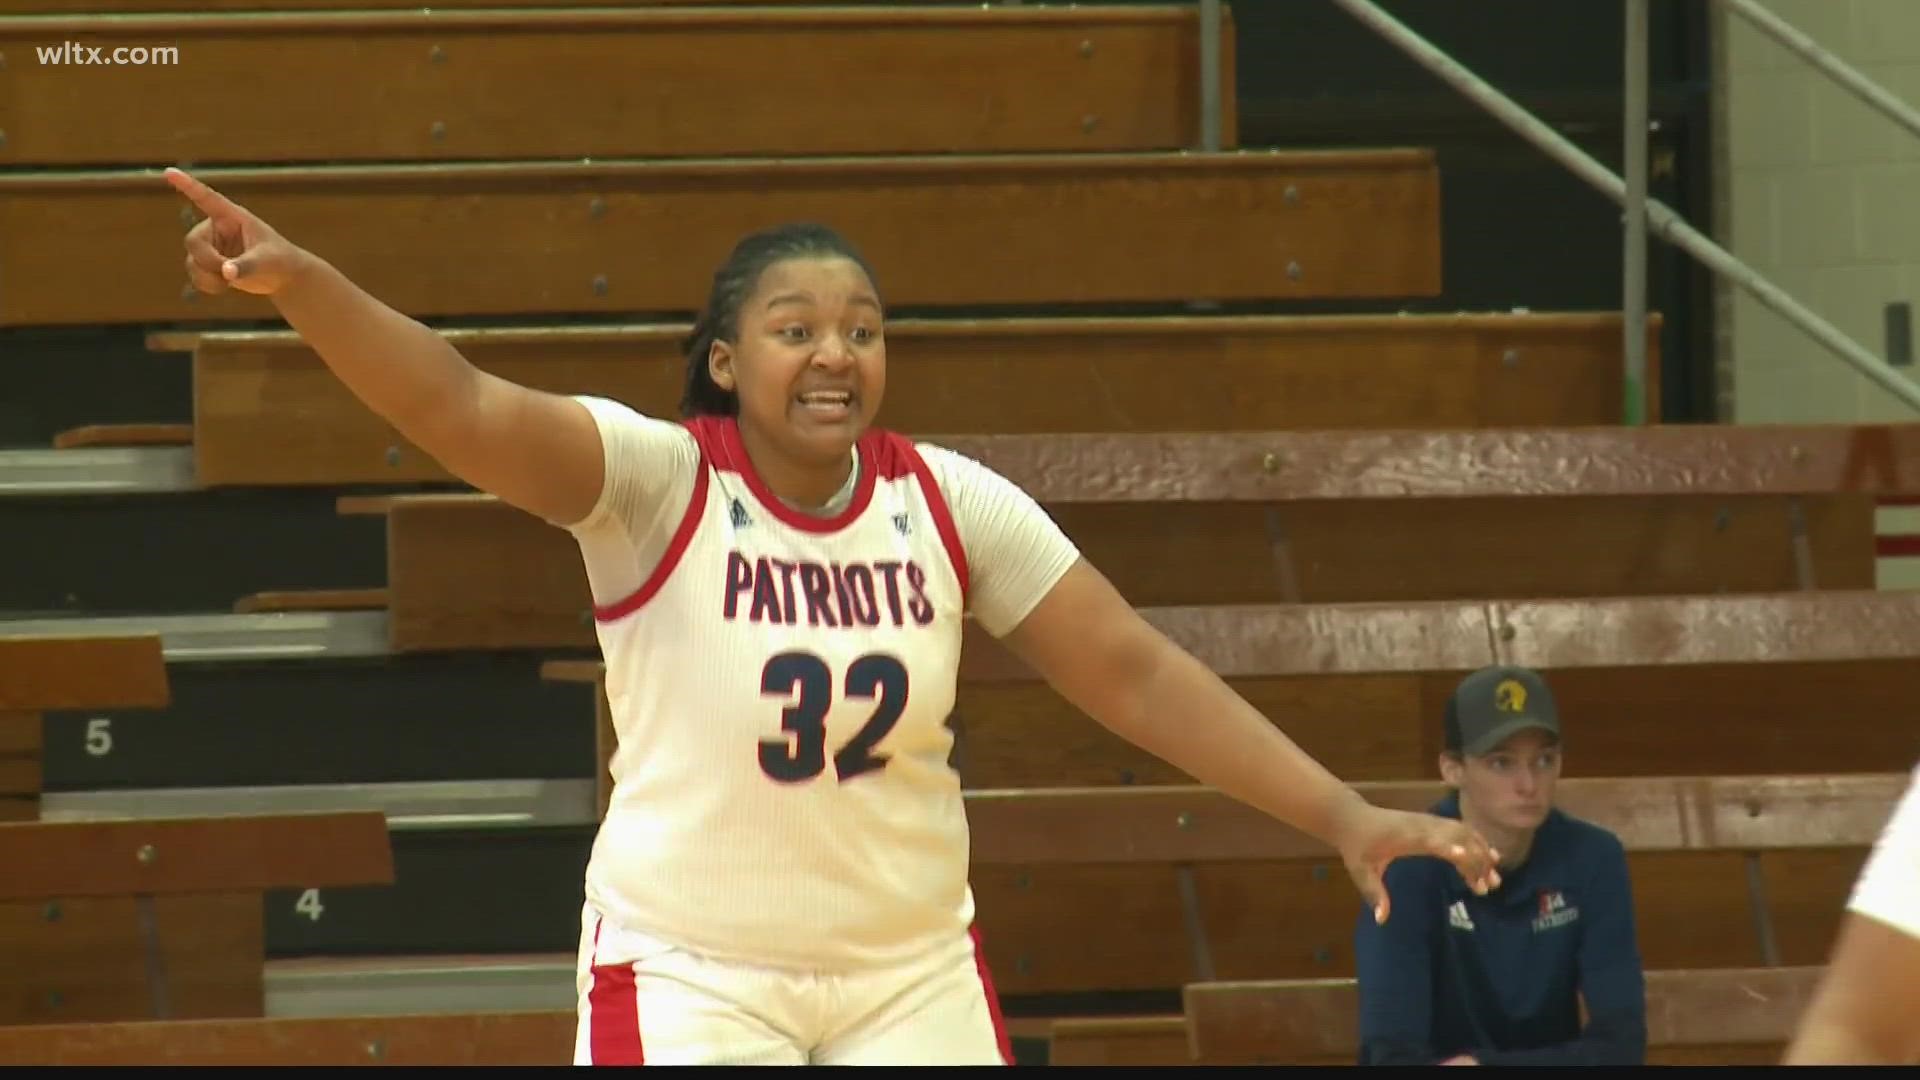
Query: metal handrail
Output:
(1660,218)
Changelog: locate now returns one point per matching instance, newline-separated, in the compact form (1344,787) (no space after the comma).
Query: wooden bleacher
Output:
(161,918)
(81,672)
(1355,508)
(1297,516)
(1761,663)
(1723,1016)
(1081,889)
(1709,1017)
(588,236)
(267,412)
(1049,915)
(171,6)
(626,82)
(1719,1012)
(1712,1016)
(1361,686)
(114,920)
(1168,829)
(38,675)
(454,1039)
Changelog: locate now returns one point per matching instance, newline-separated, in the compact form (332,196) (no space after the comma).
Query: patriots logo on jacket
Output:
(1554,911)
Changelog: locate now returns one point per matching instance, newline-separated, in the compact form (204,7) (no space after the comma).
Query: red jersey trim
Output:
(676,548)
(942,515)
(719,436)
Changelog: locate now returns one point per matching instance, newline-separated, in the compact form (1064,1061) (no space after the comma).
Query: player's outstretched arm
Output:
(539,451)
(1863,1013)
(1098,653)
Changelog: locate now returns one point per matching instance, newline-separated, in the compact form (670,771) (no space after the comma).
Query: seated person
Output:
(1459,979)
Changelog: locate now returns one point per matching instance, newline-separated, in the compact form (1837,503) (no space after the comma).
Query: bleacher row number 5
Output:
(100,744)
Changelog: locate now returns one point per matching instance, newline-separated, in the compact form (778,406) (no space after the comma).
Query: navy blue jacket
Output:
(1501,976)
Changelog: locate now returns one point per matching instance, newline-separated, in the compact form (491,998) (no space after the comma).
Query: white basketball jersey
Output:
(1888,885)
(780,687)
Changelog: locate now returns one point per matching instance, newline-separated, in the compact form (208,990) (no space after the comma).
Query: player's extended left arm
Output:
(1863,1011)
(1101,655)
(1864,1008)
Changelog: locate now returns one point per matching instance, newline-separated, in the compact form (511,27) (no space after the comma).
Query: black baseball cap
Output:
(1491,704)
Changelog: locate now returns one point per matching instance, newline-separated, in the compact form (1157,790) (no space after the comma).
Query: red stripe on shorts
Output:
(993,999)
(613,1015)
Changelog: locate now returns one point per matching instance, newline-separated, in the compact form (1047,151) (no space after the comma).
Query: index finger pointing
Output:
(208,200)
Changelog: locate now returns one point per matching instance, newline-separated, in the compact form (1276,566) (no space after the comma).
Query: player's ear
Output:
(1452,768)
(720,364)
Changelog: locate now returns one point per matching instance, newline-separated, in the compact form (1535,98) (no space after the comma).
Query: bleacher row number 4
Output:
(99,742)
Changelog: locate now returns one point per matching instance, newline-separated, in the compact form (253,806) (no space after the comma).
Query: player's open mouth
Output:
(827,404)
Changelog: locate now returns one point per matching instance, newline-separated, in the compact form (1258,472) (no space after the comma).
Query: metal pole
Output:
(1634,261)
(1835,68)
(1210,75)
(1663,221)
(143,909)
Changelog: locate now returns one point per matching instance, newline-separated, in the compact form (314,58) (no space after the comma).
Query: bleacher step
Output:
(97,470)
(223,637)
(460,804)
(412,985)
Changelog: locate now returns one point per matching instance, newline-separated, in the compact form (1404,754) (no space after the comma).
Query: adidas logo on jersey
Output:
(738,514)
(1457,916)
(901,524)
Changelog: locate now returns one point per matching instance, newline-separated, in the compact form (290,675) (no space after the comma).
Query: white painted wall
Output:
(1821,195)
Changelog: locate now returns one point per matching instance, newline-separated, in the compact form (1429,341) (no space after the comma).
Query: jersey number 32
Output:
(875,677)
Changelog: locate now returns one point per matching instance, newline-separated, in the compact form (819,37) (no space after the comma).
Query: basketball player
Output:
(1867,1008)
(781,877)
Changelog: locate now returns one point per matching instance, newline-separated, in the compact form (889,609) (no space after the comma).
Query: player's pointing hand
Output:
(231,248)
